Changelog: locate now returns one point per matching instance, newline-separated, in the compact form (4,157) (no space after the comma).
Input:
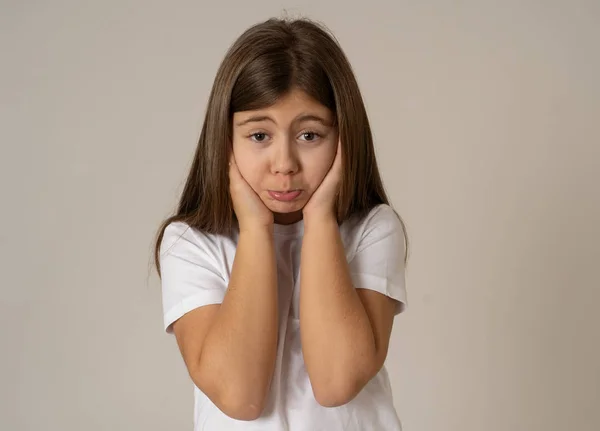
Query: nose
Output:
(285,159)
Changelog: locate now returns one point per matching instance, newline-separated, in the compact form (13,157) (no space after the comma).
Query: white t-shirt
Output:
(195,272)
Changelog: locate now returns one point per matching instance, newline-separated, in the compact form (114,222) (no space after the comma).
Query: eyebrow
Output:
(300,119)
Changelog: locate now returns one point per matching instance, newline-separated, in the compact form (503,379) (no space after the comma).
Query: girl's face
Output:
(284,151)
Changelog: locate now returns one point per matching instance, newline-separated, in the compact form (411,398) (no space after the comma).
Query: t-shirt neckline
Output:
(289,229)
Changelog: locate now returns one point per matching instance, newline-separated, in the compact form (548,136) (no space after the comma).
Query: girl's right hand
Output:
(249,209)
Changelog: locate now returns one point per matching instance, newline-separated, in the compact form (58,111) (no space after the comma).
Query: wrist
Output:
(326,218)
(256,230)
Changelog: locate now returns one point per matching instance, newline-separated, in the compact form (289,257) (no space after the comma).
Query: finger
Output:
(338,155)
(232,162)
(234,173)
(237,180)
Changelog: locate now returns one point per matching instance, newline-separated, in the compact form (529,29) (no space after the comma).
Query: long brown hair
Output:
(264,63)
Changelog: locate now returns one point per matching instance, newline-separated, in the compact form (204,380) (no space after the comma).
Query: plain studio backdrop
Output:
(486,117)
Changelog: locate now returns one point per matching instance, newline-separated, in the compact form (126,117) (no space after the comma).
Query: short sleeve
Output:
(379,261)
(190,275)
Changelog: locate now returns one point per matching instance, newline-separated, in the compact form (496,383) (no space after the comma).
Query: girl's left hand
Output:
(323,200)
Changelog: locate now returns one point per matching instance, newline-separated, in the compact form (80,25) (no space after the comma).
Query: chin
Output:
(285,207)
(286,212)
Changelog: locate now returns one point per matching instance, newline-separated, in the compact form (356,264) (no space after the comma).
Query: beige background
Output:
(486,118)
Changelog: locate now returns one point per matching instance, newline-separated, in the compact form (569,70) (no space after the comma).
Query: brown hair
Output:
(264,63)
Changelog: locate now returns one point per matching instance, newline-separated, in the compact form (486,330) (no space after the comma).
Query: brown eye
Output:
(258,137)
(309,136)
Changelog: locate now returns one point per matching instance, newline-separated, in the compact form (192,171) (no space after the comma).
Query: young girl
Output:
(283,267)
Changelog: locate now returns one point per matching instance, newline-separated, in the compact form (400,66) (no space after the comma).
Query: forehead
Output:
(291,106)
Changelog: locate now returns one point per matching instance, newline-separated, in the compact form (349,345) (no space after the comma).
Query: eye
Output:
(258,137)
(309,136)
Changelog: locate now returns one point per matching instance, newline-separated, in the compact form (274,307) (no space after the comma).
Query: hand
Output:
(323,200)
(249,209)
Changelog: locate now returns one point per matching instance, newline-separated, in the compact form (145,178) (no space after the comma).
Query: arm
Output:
(229,349)
(345,331)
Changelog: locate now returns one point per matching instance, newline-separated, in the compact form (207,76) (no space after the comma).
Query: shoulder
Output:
(180,238)
(380,229)
(380,220)
(384,217)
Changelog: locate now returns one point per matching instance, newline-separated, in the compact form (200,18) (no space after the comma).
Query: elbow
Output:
(236,401)
(331,400)
(334,394)
(241,409)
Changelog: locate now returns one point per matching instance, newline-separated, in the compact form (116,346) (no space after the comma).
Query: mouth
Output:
(285,196)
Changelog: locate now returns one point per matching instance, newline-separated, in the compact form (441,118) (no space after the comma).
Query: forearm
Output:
(240,348)
(337,338)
